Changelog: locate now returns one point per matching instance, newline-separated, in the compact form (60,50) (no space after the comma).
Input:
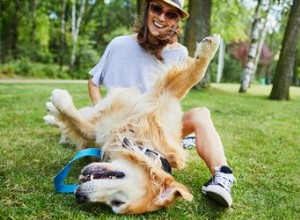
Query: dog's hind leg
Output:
(180,79)
(70,116)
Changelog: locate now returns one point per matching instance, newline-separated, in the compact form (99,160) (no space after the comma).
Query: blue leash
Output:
(61,176)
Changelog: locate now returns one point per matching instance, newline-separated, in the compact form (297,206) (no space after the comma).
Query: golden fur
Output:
(151,120)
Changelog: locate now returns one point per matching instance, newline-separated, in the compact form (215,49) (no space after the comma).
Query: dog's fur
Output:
(123,124)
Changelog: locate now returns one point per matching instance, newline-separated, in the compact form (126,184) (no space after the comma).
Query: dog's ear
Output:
(171,191)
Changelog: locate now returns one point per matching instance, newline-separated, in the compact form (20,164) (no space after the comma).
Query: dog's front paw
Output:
(207,47)
(61,99)
(51,109)
(51,120)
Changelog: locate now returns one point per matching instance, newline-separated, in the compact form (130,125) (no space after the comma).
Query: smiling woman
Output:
(160,26)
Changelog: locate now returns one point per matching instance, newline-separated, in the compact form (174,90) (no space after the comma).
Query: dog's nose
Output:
(80,197)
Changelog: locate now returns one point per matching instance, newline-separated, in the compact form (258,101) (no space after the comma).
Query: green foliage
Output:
(32,31)
(261,144)
(26,68)
(38,35)
(232,69)
(230,19)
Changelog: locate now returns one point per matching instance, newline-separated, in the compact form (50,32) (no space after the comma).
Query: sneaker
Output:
(189,142)
(219,186)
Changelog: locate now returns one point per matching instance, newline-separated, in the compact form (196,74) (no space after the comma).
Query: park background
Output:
(66,38)
(47,44)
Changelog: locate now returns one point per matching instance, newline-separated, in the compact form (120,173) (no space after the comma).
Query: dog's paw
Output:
(61,99)
(51,120)
(207,47)
(51,109)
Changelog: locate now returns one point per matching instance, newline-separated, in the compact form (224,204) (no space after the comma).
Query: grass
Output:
(261,139)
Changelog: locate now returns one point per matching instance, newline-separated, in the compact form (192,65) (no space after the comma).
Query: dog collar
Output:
(165,163)
(150,153)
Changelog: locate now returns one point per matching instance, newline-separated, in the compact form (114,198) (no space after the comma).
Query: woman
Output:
(133,61)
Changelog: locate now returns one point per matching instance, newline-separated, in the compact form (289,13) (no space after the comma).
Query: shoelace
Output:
(224,179)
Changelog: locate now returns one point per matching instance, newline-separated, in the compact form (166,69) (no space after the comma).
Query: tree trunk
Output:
(62,34)
(261,42)
(296,75)
(220,61)
(197,28)
(33,6)
(248,70)
(14,30)
(259,50)
(76,22)
(285,64)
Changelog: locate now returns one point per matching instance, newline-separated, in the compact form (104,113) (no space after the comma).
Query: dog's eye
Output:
(116,202)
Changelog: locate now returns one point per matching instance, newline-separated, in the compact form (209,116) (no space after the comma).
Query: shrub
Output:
(26,68)
(232,69)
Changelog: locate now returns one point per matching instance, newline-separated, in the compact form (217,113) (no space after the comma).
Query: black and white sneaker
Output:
(219,186)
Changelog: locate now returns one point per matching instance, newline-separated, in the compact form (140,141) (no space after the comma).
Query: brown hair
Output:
(153,44)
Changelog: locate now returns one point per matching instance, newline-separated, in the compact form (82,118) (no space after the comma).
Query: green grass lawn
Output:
(261,139)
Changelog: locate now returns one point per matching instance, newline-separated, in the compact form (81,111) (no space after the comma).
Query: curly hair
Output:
(155,44)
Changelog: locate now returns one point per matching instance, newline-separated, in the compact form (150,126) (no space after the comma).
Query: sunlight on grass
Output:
(255,89)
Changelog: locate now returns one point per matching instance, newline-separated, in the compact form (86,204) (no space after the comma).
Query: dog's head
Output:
(131,183)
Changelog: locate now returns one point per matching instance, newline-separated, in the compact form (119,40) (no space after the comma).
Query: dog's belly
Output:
(150,122)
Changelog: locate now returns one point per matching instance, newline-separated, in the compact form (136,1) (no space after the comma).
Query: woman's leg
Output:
(210,149)
(208,142)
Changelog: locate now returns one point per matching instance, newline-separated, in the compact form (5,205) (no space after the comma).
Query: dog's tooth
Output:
(92,177)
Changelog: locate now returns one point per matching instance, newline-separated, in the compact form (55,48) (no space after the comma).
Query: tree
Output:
(227,21)
(76,22)
(197,28)
(253,51)
(14,30)
(285,64)
(62,33)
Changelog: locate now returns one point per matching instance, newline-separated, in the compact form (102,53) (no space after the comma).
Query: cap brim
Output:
(184,14)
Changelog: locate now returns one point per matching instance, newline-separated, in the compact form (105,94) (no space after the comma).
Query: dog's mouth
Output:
(89,174)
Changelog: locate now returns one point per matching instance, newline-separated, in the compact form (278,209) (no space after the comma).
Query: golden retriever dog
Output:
(140,137)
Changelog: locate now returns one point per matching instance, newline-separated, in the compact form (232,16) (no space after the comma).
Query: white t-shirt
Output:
(126,64)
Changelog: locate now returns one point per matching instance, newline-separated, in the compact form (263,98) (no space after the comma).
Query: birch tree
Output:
(76,22)
(260,46)
(248,70)
(62,33)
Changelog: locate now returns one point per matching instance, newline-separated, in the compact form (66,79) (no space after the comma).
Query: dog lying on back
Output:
(140,136)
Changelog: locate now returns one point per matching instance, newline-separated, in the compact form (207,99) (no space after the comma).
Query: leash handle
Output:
(61,176)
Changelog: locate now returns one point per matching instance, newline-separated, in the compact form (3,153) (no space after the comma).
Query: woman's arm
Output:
(94,92)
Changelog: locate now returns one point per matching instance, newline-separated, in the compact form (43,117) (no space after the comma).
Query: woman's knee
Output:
(200,112)
(196,119)
(200,115)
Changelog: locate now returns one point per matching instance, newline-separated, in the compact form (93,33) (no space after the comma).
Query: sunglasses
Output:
(158,10)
